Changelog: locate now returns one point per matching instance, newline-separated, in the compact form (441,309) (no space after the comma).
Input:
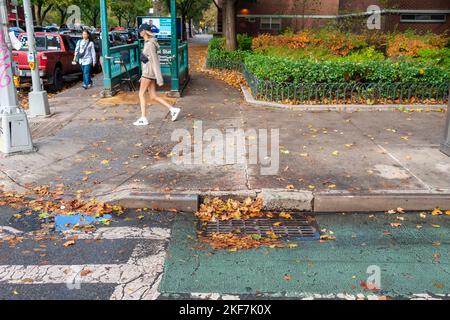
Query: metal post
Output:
(38,98)
(175,82)
(107,82)
(445,146)
(15,133)
(15,4)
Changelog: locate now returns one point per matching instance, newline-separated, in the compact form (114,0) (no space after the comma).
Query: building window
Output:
(427,18)
(271,23)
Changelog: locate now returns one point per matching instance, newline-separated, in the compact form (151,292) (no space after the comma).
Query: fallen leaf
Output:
(395,224)
(85,272)
(277,224)
(285,215)
(436,212)
(439,285)
(69,243)
(287,277)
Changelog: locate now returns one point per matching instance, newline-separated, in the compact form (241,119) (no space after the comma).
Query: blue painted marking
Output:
(65,223)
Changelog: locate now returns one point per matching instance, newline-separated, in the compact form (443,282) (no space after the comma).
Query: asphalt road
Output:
(144,255)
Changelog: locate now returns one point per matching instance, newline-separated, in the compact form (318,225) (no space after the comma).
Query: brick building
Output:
(274,16)
(14,16)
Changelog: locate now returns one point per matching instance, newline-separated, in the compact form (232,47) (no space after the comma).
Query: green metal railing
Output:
(336,93)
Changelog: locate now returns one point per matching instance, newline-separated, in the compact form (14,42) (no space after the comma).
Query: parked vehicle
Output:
(55,55)
(51,29)
(39,29)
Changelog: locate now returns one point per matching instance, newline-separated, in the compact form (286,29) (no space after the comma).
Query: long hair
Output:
(88,33)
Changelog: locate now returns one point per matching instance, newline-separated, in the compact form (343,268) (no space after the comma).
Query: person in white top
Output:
(85,55)
(151,76)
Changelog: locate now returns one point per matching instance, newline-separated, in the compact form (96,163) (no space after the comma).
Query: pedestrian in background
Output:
(151,76)
(86,57)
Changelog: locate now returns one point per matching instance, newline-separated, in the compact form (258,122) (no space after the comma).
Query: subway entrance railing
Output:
(122,63)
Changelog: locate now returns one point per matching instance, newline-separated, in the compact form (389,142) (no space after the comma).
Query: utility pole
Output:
(38,98)
(15,135)
(445,146)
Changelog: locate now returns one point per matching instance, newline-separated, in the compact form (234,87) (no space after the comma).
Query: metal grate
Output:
(299,228)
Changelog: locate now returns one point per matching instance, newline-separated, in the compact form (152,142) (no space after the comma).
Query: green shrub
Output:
(244,42)
(217,43)
(344,70)
(318,53)
(435,57)
(222,59)
(366,54)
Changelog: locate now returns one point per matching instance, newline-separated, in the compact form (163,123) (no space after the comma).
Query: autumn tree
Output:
(90,11)
(41,9)
(189,9)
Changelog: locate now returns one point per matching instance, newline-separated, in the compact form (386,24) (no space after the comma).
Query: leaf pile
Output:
(233,242)
(219,210)
(50,202)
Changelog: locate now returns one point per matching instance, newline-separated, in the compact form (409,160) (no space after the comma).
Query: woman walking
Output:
(151,76)
(86,57)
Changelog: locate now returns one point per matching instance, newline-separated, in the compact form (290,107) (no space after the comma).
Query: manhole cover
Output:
(300,228)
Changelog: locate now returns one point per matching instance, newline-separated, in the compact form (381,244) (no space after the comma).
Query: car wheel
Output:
(58,82)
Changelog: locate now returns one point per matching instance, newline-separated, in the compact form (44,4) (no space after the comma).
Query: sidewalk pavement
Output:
(329,161)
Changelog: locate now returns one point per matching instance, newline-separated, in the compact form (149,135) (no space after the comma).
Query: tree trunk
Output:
(230,25)
(183,27)
(224,19)
(46,11)
(190,28)
(37,14)
(62,15)
(94,19)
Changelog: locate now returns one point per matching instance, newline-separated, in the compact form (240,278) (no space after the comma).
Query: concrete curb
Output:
(155,201)
(338,107)
(280,199)
(381,202)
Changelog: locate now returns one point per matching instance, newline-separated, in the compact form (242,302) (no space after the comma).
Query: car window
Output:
(69,43)
(43,43)
(53,43)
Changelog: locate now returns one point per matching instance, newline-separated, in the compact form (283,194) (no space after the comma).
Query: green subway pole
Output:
(107,83)
(175,82)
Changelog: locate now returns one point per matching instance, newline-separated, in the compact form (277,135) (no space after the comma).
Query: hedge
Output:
(337,71)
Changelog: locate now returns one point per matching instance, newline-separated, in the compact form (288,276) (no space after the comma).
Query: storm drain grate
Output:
(300,228)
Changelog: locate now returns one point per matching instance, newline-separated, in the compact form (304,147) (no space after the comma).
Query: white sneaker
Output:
(175,112)
(141,122)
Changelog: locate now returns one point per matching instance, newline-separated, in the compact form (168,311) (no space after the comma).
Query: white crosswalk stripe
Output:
(137,279)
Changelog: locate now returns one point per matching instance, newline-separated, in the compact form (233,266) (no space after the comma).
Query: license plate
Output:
(25,73)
